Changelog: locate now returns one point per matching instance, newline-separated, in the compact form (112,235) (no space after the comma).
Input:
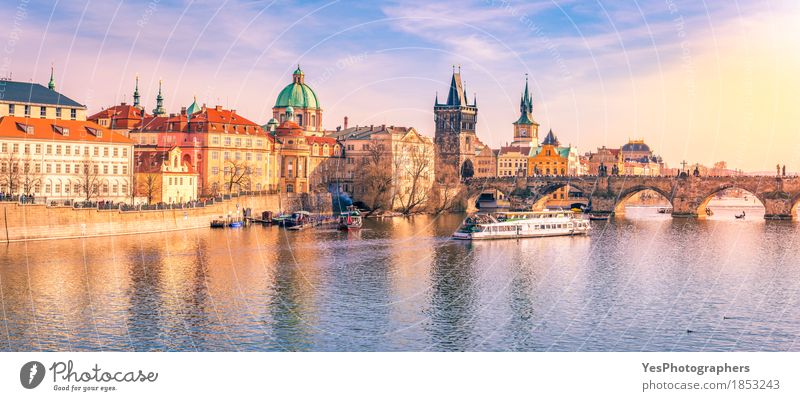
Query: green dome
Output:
(297,95)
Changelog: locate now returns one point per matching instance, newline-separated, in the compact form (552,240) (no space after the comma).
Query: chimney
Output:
(345,122)
(383,127)
(218,108)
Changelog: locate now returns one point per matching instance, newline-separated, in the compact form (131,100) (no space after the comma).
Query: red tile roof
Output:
(49,129)
(150,161)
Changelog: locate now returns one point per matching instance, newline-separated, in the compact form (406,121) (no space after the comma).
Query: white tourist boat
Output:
(547,223)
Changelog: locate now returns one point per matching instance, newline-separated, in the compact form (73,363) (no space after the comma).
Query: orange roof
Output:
(210,119)
(49,129)
(150,161)
(120,111)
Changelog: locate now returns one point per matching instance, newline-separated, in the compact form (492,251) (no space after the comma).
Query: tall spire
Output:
(52,84)
(526,101)
(456,96)
(136,92)
(159,110)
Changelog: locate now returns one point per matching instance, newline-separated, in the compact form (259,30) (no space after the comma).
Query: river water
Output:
(640,282)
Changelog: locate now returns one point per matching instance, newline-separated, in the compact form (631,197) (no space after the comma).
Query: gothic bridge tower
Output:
(455,121)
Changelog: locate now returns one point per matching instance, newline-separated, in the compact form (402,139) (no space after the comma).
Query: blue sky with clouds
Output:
(601,71)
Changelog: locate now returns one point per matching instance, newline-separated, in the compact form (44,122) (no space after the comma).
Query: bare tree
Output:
(9,173)
(237,174)
(415,181)
(30,177)
(149,184)
(446,189)
(372,181)
(89,178)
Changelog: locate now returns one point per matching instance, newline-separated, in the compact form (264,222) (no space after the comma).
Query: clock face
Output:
(523,132)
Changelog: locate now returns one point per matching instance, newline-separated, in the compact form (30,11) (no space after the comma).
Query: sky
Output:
(699,81)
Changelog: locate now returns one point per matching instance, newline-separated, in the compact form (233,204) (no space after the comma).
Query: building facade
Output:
(49,150)
(400,153)
(164,176)
(64,160)
(512,161)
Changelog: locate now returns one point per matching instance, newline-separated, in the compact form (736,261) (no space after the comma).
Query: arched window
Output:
(315,150)
(289,188)
(314,120)
(325,150)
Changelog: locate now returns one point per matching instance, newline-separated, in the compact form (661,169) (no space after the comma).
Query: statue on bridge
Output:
(778,167)
(696,172)
(615,170)
(602,170)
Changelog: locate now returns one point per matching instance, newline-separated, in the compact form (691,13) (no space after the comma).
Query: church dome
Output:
(297,94)
(635,146)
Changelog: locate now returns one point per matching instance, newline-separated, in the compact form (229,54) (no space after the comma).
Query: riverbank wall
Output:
(39,222)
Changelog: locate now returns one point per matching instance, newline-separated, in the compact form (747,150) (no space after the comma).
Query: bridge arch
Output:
(628,193)
(703,204)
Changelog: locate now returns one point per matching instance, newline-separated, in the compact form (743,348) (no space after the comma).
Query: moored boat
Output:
(300,219)
(350,220)
(503,225)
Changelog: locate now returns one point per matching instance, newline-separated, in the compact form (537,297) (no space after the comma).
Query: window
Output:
(124,152)
(96,151)
(77,188)
(67,150)
(115,188)
(58,112)
(227,141)
(116,152)
(28,114)
(38,149)
(105,151)
(11,109)
(58,150)
(38,168)
(215,140)
(42,112)
(58,168)
(238,142)
(124,189)
(226,155)
(47,188)
(116,170)
(73,114)
(66,170)
(48,169)
(214,155)
(214,170)
(105,188)
(58,188)
(125,169)
(105,169)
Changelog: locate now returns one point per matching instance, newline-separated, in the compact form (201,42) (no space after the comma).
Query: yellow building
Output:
(551,159)
(31,100)
(164,176)
(512,161)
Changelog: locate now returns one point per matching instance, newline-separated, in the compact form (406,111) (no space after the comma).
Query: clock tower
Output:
(526,130)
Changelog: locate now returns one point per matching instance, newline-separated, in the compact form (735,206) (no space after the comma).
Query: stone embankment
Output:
(39,222)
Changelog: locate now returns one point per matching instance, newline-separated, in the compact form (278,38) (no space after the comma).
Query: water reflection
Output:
(641,282)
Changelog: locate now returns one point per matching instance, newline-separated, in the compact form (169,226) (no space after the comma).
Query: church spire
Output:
(159,110)
(457,95)
(52,84)
(136,92)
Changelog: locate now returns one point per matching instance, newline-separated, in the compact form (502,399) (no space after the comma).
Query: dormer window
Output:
(64,131)
(94,131)
(28,129)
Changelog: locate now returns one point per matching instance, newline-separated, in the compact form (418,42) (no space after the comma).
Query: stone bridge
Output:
(688,195)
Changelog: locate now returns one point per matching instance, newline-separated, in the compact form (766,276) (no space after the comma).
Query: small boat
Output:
(235,224)
(709,212)
(503,225)
(598,216)
(218,222)
(740,216)
(301,218)
(281,220)
(350,220)
(665,210)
